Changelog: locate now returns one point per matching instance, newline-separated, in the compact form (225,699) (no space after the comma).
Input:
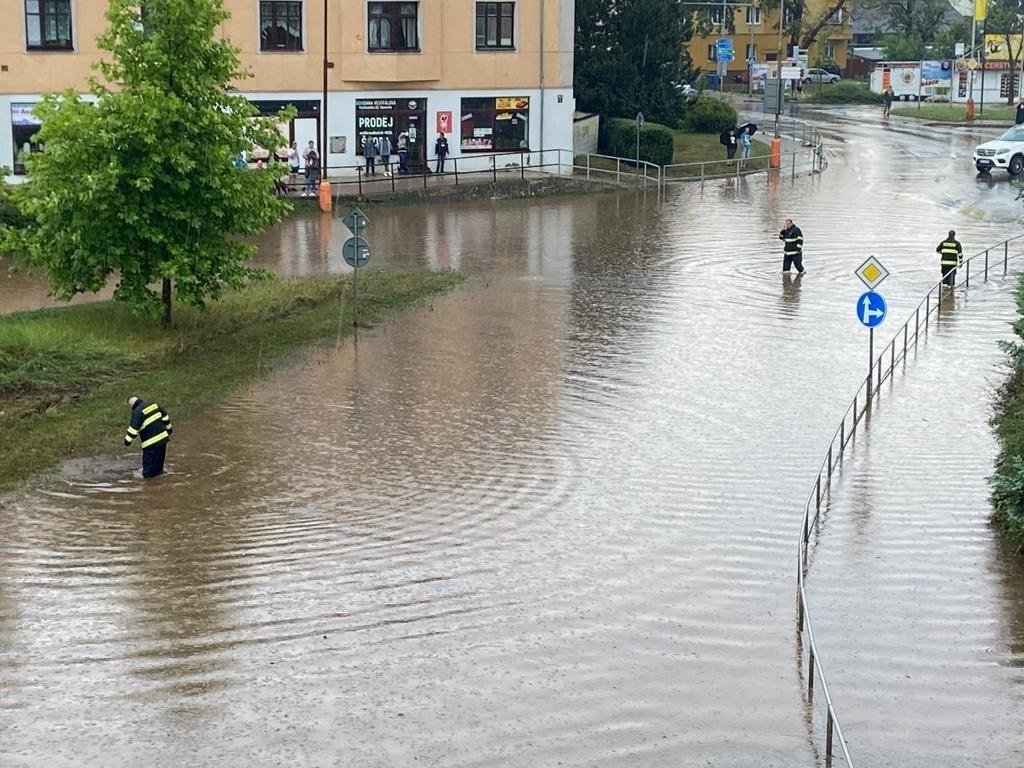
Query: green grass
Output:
(946,114)
(843,92)
(692,148)
(65,373)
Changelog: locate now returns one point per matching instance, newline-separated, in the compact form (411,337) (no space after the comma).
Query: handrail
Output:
(858,409)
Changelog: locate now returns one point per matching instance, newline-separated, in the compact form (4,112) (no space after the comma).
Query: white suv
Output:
(1006,152)
(820,76)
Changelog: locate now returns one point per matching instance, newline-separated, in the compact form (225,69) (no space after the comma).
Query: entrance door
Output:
(413,120)
(305,130)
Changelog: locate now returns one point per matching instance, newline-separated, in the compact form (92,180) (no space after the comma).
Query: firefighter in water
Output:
(792,248)
(951,256)
(151,424)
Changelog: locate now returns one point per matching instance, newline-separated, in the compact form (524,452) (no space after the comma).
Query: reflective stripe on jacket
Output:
(793,239)
(950,253)
(150,423)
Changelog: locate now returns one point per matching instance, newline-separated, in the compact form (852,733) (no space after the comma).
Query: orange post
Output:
(775,156)
(325,196)
(969,112)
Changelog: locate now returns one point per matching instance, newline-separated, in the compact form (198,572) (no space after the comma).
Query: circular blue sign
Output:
(871,309)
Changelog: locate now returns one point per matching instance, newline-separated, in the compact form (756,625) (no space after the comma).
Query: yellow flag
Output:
(979,10)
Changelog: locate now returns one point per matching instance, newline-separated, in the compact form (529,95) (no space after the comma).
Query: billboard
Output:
(996,47)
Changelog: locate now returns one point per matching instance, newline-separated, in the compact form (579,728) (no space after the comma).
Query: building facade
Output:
(492,76)
(755,36)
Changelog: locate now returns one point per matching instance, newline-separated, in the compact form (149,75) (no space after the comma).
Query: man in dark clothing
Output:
(792,248)
(441,152)
(151,424)
(730,139)
(1019,117)
(951,256)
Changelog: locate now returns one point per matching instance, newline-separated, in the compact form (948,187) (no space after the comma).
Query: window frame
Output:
(264,48)
(830,49)
(712,53)
(717,16)
(398,17)
(42,15)
(836,18)
(500,6)
(753,16)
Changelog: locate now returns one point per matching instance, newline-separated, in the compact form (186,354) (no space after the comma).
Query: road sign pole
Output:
(355,279)
(871,357)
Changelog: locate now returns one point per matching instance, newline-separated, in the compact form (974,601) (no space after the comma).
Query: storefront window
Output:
(495,124)
(24,126)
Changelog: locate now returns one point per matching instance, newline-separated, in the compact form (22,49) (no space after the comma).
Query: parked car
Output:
(820,76)
(1006,152)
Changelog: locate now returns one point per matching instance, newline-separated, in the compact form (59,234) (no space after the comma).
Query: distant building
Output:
(473,70)
(756,36)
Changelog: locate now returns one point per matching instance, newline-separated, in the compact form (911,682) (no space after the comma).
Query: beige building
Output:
(473,70)
(756,36)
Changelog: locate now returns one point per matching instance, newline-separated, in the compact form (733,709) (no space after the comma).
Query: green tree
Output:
(630,54)
(137,179)
(902,48)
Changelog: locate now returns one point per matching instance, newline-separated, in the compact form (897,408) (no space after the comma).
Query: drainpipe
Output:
(542,79)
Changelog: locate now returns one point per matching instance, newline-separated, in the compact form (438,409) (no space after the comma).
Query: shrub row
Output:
(657,144)
(843,92)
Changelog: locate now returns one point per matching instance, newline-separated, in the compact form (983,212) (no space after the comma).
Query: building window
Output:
(24,126)
(281,26)
(753,16)
(394,27)
(751,51)
(787,16)
(48,24)
(494,25)
(495,125)
(717,16)
(836,17)
(712,56)
(830,50)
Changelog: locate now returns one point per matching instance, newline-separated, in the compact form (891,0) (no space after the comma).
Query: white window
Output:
(717,16)
(830,50)
(711,52)
(837,17)
(753,16)
(751,51)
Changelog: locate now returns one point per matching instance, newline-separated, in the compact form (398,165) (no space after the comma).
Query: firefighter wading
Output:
(792,248)
(151,424)
(951,256)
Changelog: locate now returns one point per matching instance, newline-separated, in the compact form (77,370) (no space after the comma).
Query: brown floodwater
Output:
(551,519)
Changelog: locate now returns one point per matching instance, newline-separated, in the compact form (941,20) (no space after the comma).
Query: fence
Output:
(879,370)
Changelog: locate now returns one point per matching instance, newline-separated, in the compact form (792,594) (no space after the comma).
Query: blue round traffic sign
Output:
(871,309)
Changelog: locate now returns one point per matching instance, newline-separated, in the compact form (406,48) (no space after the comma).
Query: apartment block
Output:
(492,76)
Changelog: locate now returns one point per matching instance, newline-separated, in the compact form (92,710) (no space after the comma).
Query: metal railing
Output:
(880,369)
(809,159)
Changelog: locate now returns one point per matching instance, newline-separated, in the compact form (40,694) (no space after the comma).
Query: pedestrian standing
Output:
(292,156)
(951,256)
(370,155)
(887,98)
(312,170)
(1019,118)
(151,424)
(385,154)
(403,153)
(728,139)
(441,151)
(744,147)
(792,247)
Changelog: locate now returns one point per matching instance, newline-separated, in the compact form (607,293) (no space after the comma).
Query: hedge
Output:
(657,144)
(843,92)
(710,115)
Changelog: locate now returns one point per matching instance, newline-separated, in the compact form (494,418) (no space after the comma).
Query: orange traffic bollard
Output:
(325,196)
(775,156)
(969,113)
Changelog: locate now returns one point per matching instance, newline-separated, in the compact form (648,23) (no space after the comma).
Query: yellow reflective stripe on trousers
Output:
(155,440)
(151,419)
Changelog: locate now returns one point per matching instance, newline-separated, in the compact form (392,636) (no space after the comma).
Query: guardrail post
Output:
(917,324)
(618,171)
(927,308)
(828,734)
(842,437)
(792,174)
(1006,255)
(702,177)
(455,162)
(853,429)
(799,609)
(494,169)
(359,181)
(828,477)
(967,282)
(986,265)
(892,357)
(810,673)
(588,166)
(522,166)
(905,341)
(817,495)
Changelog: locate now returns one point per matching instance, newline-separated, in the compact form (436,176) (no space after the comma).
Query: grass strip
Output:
(65,373)
(944,113)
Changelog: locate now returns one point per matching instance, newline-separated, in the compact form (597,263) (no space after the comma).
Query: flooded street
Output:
(551,519)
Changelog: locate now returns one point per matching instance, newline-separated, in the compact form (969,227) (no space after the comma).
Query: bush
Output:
(843,92)
(657,144)
(710,115)
(10,216)
(1008,501)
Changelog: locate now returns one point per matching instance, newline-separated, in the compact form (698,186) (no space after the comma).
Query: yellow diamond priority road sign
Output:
(871,272)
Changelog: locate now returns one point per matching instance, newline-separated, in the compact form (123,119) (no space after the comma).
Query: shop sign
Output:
(515,102)
(444,122)
(21,114)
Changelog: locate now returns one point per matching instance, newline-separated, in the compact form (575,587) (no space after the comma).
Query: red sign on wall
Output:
(444,122)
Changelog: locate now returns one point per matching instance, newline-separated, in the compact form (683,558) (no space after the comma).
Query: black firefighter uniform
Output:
(951,255)
(151,424)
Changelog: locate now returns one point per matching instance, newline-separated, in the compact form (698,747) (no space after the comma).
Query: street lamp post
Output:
(325,185)
(775,153)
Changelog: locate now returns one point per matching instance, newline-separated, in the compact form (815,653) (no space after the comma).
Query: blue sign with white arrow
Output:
(871,309)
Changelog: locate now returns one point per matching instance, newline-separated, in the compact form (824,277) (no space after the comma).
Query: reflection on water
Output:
(548,519)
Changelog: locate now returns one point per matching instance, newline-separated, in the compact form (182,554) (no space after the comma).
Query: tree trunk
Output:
(167,301)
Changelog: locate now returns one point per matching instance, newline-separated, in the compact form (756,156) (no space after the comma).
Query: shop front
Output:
(499,124)
(24,126)
(376,118)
